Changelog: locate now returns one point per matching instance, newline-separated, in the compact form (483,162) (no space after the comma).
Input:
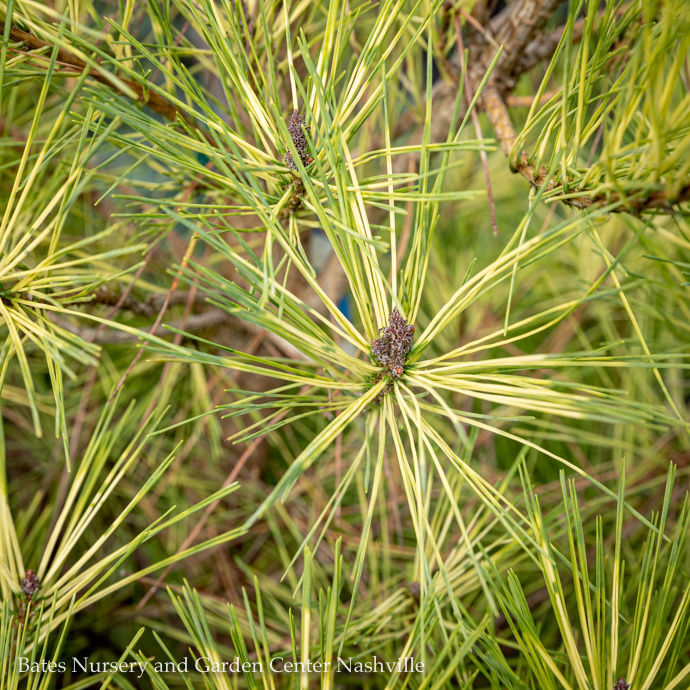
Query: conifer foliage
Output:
(345,344)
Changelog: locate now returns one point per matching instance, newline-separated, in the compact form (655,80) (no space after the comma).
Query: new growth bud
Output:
(29,584)
(296,126)
(394,342)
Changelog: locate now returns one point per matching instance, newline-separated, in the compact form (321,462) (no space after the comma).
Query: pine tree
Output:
(345,333)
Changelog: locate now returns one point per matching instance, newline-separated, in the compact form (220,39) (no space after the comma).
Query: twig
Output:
(479,28)
(80,416)
(495,108)
(159,318)
(543,47)
(633,202)
(513,101)
(195,322)
(516,27)
(148,97)
(478,130)
(207,513)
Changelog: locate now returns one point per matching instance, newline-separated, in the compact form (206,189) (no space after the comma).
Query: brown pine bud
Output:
(29,584)
(296,126)
(394,342)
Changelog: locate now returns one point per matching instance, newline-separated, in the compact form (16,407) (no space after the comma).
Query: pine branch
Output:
(517,28)
(147,97)
(543,47)
(520,22)
(635,202)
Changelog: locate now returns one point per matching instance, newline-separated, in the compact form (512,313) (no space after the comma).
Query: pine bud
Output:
(296,126)
(394,342)
(29,584)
